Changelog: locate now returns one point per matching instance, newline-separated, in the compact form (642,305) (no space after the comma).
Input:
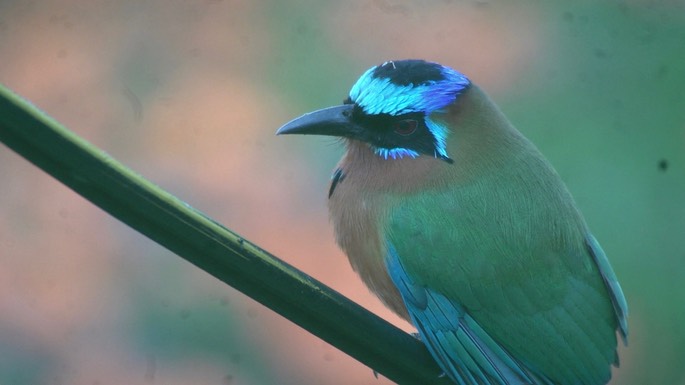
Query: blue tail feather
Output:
(461,347)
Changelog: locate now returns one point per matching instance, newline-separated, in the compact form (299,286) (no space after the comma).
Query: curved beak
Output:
(333,121)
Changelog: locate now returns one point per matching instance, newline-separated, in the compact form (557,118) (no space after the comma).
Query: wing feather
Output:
(462,348)
(618,300)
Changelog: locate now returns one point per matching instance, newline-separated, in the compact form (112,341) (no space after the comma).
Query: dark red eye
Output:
(405,127)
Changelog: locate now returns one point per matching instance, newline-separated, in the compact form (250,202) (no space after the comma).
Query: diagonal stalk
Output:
(208,245)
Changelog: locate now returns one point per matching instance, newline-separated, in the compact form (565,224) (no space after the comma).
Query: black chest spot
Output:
(337,177)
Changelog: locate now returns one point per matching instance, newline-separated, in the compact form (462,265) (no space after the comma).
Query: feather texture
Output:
(463,349)
(495,242)
(460,225)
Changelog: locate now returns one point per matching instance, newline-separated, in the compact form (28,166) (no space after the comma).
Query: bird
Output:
(459,224)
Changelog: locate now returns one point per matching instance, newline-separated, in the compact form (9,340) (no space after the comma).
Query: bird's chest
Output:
(359,218)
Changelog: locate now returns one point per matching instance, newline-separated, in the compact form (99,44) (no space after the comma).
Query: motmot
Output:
(460,225)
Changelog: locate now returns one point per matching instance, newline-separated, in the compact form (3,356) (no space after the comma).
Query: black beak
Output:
(332,121)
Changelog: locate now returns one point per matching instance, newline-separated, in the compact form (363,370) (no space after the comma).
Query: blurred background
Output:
(190,93)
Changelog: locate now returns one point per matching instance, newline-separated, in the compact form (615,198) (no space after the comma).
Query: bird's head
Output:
(390,109)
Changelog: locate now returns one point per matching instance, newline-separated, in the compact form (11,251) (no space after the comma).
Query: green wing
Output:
(465,351)
(528,274)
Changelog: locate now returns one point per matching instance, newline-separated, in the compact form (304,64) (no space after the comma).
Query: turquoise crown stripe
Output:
(380,95)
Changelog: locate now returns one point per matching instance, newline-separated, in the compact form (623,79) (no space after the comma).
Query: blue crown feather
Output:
(378,92)
(409,86)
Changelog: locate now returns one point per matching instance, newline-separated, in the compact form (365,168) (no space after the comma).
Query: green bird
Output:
(461,226)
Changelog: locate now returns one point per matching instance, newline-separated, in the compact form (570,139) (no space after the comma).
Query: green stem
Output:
(203,242)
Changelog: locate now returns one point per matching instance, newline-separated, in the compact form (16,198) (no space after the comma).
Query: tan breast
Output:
(371,186)
(359,207)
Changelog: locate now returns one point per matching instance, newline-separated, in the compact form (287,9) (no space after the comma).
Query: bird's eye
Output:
(405,127)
